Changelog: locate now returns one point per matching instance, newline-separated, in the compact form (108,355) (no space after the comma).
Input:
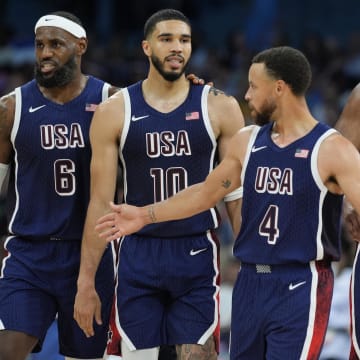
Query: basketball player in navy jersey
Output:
(169,135)
(348,125)
(295,172)
(44,144)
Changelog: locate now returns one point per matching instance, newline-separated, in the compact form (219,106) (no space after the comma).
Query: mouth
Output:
(175,61)
(47,67)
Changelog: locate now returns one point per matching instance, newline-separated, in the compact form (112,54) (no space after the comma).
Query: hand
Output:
(197,81)
(87,307)
(352,223)
(123,220)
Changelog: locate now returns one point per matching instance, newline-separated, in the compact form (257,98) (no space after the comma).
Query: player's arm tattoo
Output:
(226,183)
(197,352)
(217,92)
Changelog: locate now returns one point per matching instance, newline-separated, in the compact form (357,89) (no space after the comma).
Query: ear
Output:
(146,47)
(82,45)
(280,86)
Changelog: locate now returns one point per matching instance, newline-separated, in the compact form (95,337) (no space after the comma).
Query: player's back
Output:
(49,183)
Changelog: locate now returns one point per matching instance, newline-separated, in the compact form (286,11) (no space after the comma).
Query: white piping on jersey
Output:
(312,311)
(7,256)
(122,333)
(14,131)
(105,91)
(207,123)
(124,133)
(353,305)
(252,139)
(213,326)
(323,190)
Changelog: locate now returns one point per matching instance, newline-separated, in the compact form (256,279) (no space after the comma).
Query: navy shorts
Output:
(280,312)
(167,292)
(38,283)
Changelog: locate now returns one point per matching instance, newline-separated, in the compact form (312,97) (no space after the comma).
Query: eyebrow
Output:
(171,34)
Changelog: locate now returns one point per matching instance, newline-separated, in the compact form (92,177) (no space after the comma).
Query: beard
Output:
(264,115)
(60,77)
(167,75)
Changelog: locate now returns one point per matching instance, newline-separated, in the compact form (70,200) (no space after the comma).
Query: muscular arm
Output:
(339,166)
(226,118)
(7,113)
(349,121)
(126,219)
(349,125)
(104,136)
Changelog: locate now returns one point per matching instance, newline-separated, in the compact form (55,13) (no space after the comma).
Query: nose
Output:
(46,52)
(177,46)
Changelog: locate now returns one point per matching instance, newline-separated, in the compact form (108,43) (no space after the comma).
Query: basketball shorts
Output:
(281,311)
(167,292)
(38,283)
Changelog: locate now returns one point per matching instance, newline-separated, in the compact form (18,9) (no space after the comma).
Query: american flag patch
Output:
(90,107)
(301,153)
(192,115)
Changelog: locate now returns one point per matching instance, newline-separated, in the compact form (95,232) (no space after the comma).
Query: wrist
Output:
(151,214)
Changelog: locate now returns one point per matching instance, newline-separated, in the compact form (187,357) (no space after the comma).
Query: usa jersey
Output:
(49,187)
(288,214)
(171,151)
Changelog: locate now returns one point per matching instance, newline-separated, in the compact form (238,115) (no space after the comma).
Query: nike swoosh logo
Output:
(134,118)
(31,109)
(294,286)
(195,252)
(255,149)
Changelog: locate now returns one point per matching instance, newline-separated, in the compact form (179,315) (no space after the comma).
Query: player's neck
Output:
(66,93)
(163,95)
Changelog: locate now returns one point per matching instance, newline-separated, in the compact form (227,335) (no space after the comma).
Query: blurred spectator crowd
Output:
(119,60)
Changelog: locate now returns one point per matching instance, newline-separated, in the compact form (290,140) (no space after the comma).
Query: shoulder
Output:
(336,151)
(224,111)
(7,111)
(348,123)
(114,103)
(109,115)
(221,98)
(242,137)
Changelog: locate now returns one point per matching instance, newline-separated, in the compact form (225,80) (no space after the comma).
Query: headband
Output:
(62,23)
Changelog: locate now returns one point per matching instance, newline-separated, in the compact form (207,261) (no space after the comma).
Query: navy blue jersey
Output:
(163,153)
(288,215)
(49,187)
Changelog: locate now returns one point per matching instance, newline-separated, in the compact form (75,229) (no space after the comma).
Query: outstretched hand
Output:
(123,220)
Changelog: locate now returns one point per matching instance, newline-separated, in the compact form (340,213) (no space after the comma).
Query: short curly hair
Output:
(163,15)
(287,64)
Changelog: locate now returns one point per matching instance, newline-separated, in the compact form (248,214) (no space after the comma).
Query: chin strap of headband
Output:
(62,23)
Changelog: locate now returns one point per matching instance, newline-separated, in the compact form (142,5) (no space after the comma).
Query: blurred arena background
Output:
(226,34)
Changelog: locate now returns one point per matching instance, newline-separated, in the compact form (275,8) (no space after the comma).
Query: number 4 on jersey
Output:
(269,225)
